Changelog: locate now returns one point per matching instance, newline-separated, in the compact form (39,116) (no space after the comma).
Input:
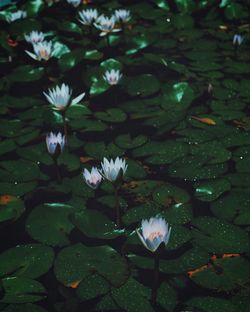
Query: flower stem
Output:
(117,208)
(156,278)
(65,128)
(58,175)
(108,41)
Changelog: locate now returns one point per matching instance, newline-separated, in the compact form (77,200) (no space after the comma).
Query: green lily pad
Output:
(99,150)
(25,307)
(178,96)
(127,142)
(7,146)
(143,85)
(167,297)
(95,224)
(235,202)
(91,287)
(132,296)
(22,290)
(168,192)
(49,224)
(26,73)
(194,167)
(159,153)
(219,236)
(29,261)
(12,209)
(17,189)
(212,304)
(76,262)
(112,115)
(211,190)
(19,171)
(225,274)
(60,49)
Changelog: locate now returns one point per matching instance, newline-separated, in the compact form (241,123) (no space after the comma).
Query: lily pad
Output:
(22,290)
(49,224)
(143,85)
(95,224)
(219,236)
(132,296)
(76,262)
(29,261)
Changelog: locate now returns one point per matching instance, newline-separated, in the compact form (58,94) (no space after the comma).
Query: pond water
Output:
(167,91)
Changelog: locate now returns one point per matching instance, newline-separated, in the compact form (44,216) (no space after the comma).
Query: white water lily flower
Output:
(112,76)
(122,15)
(106,25)
(238,39)
(34,37)
(42,51)
(16,16)
(60,97)
(111,169)
(75,3)
(154,232)
(93,178)
(54,140)
(88,17)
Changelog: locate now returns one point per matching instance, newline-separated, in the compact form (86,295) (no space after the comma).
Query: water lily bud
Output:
(93,178)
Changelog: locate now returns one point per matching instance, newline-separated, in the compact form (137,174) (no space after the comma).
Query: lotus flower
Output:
(16,15)
(42,51)
(60,98)
(55,142)
(93,178)
(238,39)
(34,37)
(112,77)
(122,15)
(111,170)
(75,3)
(154,232)
(87,17)
(106,25)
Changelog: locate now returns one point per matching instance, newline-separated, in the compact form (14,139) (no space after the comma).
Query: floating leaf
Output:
(29,261)
(219,236)
(132,296)
(49,224)
(78,261)
(22,290)
(211,190)
(143,85)
(95,224)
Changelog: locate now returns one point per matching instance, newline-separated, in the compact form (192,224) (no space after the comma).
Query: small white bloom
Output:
(238,39)
(122,15)
(75,3)
(88,17)
(112,76)
(54,140)
(42,51)
(34,37)
(154,232)
(93,178)
(60,97)
(16,15)
(111,169)
(106,25)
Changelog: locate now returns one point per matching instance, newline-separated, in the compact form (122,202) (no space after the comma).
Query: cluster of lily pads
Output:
(160,130)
